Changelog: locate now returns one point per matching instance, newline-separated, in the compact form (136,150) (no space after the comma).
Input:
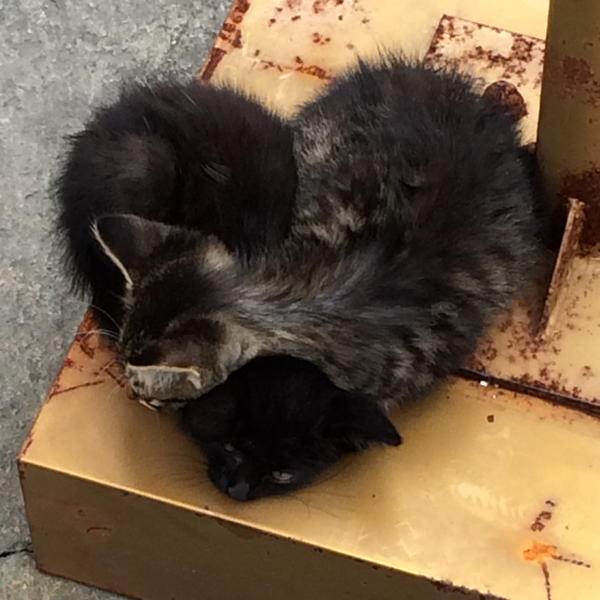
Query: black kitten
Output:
(415,222)
(276,424)
(204,158)
(221,167)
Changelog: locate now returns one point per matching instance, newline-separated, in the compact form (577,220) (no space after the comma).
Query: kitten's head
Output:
(176,340)
(276,423)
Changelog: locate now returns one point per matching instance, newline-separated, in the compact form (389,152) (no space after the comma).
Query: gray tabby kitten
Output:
(415,223)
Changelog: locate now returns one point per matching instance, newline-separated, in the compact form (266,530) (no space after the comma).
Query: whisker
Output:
(341,469)
(96,307)
(112,391)
(295,497)
(104,332)
(314,506)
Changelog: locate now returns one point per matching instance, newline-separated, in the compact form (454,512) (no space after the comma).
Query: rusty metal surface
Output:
(569,248)
(493,55)
(569,129)
(507,488)
(547,345)
(561,361)
(493,490)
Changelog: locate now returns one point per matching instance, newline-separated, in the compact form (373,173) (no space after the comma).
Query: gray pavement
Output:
(57,59)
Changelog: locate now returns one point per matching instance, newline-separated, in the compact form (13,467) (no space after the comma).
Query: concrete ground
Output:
(57,59)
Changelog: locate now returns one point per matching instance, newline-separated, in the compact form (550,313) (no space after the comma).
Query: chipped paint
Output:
(416,498)
(228,39)
(585,186)
(537,347)
(507,95)
(568,249)
(495,57)
(58,390)
(543,517)
(541,553)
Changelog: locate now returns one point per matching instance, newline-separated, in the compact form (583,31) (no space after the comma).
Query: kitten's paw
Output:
(161,405)
(155,405)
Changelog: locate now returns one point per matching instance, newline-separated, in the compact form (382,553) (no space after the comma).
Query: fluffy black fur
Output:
(415,222)
(262,440)
(205,158)
(213,163)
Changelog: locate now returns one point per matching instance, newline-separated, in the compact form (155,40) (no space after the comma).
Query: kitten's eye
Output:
(228,447)
(282,476)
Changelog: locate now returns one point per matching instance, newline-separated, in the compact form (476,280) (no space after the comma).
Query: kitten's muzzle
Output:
(239,491)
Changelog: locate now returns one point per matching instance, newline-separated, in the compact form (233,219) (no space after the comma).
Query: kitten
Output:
(186,154)
(262,440)
(221,167)
(415,223)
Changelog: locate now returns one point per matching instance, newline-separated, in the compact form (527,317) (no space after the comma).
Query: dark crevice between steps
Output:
(27,549)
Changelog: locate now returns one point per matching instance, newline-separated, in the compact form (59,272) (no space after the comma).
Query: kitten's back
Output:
(180,153)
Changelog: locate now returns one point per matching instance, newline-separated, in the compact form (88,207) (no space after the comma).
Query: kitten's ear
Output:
(360,422)
(129,240)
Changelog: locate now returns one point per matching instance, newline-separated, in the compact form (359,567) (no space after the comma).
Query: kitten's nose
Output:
(239,491)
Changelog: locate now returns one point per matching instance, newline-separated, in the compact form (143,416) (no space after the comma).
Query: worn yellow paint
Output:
(482,474)
(493,491)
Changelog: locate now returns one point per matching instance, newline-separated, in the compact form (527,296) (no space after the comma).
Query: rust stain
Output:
(576,71)
(568,249)
(572,561)
(530,387)
(319,6)
(547,585)
(27,443)
(316,71)
(490,418)
(552,384)
(58,390)
(300,67)
(118,377)
(236,41)
(525,50)
(317,38)
(507,95)
(541,520)
(228,39)
(523,352)
(214,58)
(585,186)
(113,369)
(85,347)
(574,78)
(539,552)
